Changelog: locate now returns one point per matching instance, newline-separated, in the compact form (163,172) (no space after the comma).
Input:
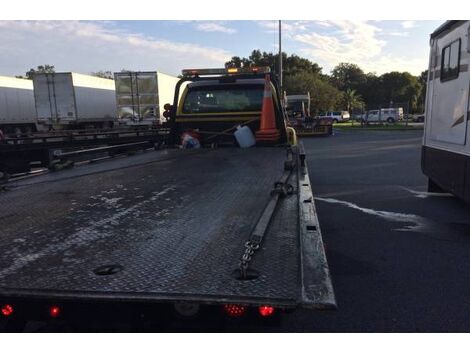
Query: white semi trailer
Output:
(446,142)
(17,112)
(140,96)
(73,100)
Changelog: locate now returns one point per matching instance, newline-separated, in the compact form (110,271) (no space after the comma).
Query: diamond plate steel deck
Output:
(177,227)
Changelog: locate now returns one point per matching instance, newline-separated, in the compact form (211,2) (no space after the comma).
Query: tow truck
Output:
(217,230)
(298,113)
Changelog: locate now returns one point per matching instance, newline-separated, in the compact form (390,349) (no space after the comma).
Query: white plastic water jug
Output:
(245,137)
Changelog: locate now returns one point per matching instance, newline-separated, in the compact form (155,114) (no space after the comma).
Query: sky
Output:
(170,46)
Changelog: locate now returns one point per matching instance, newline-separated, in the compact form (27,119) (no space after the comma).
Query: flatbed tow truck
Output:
(219,230)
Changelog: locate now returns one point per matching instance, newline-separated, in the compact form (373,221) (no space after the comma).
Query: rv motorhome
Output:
(446,143)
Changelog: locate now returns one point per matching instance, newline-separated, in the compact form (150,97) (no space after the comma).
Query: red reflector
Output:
(54,311)
(234,310)
(7,310)
(266,311)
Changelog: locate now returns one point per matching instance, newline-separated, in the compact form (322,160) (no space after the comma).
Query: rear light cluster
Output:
(237,311)
(8,310)
(54,311)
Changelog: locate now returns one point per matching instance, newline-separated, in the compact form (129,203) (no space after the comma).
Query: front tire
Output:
(390,120)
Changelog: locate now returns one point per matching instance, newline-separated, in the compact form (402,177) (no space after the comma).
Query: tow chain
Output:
(250,248)
(281,189)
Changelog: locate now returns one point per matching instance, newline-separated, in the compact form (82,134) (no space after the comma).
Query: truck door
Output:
(450,96)
(54,97)
(125,95)
(63,91)
(147,99)
(45,106)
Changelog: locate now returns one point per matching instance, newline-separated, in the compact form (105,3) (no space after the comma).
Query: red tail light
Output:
(235,310)
(54,311)
(7,310)
(266,311)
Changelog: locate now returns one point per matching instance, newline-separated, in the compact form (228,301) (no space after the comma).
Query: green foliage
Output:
(323,96)
(103,74)
(348,76)
(291,64)
(40,69)
(347,88)
(351,100)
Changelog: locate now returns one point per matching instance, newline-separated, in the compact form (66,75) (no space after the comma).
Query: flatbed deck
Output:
(173,223)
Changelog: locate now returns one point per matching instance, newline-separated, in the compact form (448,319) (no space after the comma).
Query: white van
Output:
(390,115)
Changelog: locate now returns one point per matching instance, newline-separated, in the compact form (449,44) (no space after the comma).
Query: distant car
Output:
(337,116)
(418,118)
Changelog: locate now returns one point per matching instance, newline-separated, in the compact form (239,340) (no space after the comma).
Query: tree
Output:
(323,96)
(351,100)
(348,76)
(40,69)
(292,64)
(103,74)
(401,87)
(423,80)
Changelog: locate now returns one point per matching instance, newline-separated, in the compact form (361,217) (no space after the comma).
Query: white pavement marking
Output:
(427,194)
(419,224)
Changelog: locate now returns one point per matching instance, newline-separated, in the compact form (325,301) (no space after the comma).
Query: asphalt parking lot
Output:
(399,257)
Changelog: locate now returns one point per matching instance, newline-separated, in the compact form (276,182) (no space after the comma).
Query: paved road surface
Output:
(400,259)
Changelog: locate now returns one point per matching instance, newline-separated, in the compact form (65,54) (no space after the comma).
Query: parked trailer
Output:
(17,112)
(446,142)
(140,96)
(71,100)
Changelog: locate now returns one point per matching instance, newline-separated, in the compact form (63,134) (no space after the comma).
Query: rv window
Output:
(450,61)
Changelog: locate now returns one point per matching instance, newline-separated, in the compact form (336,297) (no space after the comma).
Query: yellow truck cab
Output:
(214,102)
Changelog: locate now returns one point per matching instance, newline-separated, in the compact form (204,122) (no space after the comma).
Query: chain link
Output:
(250,249)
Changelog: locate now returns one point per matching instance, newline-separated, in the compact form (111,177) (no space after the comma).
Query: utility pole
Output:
(280,61)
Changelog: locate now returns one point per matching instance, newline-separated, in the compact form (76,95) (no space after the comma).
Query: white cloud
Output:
(214,27)
(398,34)
(358,42)
(347,42)
(91,46)
(408,24)
(288,28)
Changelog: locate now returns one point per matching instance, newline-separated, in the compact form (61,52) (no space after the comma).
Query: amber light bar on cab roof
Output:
(225,71)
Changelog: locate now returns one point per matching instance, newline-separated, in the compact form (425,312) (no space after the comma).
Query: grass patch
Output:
(354,125)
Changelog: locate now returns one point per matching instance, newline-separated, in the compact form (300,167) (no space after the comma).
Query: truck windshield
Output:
(223,99)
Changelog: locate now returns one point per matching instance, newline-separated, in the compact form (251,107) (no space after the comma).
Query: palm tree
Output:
(351,99)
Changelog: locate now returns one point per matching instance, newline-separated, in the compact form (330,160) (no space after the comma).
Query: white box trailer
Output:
(16,105)
(446,142)
(73,99)
(140,96)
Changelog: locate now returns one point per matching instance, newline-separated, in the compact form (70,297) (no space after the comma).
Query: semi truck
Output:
(219,230)
(446,142)
(67,100)
(140,96)
(17,113)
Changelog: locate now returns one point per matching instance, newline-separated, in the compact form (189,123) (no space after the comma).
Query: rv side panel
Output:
(446,141)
